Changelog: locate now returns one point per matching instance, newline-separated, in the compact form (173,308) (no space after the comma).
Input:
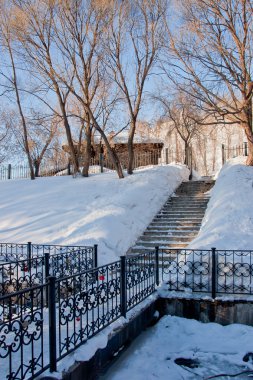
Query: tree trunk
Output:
(113,155)
(186,153)
(23,120)
(248,128)
(37,167)
(131,148)
(87,155)
(249,160)
(74,158)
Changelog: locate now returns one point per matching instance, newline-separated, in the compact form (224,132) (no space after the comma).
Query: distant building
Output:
(147,150)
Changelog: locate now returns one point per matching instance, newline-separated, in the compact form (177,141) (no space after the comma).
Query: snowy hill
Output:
(100,209)
(228,222)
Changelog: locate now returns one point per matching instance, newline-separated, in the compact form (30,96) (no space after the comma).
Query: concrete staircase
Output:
(179,220)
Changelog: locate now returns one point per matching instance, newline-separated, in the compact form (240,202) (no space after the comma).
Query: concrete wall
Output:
(223,312)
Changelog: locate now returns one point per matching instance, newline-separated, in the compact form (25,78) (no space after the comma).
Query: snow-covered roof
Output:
(122,138)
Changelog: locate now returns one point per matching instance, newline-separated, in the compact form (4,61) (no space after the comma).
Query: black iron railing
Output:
(16,251)
(43,324)
(24,334)
(22,274)
(140,278)
(210,271)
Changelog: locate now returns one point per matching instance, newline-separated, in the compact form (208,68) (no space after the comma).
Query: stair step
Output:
(162,243)
(178,221)
(165,239)
(179,218)
(163,229)
(186,205)
(176,212)
(187,223)
(193,197)
(140,249)
(169,233)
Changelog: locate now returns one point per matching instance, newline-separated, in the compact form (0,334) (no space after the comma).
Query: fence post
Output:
(46,255)
(29,254)
(52,324)
(9,171)
(214,273)
(95,257)
(123,300)
(101,161)
(245,149)
(223,153)
(47,273)
(157,265)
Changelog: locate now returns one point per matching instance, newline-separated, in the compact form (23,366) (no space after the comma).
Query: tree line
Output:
(71,69)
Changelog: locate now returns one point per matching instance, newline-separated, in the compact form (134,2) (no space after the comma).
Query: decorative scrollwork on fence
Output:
(22,318)
(87,303)
(184,269)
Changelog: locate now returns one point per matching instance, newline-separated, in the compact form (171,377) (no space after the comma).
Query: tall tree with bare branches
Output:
(34,30)
(7,36)
(181,112)
(210,58)
(134,41)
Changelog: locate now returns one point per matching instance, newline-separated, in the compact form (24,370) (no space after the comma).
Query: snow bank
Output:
(228,222)
(100,209)
(216,349)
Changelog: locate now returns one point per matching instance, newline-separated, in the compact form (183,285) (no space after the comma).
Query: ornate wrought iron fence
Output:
(234,272)
(140,278)
(209,271)
(43,324)
(22,274)
(23,334)
(87,303)
(55,318)
(16,251)
(185,269)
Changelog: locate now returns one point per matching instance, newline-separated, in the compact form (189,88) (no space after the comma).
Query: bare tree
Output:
(84,23)
(210,58)
(41,135)
(133,44)
(7,41)
(34,30)
(184,118)
(5,137)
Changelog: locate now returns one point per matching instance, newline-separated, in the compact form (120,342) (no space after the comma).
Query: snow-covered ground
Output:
(216,349)
(228,222)
(99,210)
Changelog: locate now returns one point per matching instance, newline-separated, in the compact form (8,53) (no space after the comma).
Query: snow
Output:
(99,210)
(99,341)
(216,348)
(228,222)
(122,138)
